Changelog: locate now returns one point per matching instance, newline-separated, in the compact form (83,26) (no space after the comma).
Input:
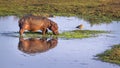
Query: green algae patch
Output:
(36,35)
(68,34)
(112,55)
(81,33)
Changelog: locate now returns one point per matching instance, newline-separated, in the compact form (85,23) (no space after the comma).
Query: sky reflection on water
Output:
(72,53)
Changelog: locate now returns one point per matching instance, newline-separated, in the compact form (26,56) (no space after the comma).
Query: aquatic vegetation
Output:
(81,33)
(68,34)
(95,11)
(36,34)
(112,55)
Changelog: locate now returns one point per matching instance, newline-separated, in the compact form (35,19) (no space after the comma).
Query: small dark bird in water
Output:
(80,26)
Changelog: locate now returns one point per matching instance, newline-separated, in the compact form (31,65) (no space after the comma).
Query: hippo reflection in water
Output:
(34,23)
(36,45)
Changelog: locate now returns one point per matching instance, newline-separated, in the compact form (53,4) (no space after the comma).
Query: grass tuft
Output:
(112,55)
(95,11)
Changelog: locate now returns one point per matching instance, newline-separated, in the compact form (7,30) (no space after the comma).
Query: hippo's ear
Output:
(21,20)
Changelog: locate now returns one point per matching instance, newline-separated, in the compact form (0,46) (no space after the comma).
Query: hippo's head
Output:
(54,28)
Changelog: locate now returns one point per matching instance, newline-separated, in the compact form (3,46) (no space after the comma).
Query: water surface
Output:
(71,53)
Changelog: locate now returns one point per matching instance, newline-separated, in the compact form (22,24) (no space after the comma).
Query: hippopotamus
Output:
(36,45)
(34,23)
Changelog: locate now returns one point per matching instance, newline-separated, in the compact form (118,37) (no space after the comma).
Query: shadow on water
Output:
(36,45)
(33,45)
(10,34)
(26,34)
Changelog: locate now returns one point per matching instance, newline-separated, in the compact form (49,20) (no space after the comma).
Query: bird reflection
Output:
(36,45)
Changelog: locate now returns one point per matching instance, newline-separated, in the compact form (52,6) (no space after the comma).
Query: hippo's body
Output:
(34,23)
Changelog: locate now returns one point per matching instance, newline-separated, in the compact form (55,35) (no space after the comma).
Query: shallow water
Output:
(71,53)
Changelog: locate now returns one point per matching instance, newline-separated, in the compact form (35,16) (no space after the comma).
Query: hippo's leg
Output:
(44,31)
(21,31)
